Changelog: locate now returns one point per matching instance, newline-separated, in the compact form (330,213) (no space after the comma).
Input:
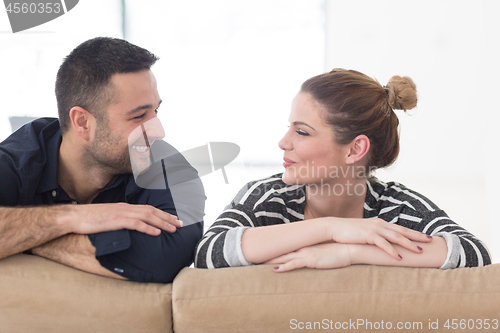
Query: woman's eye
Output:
(301,132)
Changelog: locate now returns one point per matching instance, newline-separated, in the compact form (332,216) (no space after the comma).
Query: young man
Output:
(71,188)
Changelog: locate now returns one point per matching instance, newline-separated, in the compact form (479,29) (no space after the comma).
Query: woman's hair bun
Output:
(401,93)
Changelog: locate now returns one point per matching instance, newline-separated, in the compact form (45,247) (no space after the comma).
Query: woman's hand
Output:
(376,232)
(322,256)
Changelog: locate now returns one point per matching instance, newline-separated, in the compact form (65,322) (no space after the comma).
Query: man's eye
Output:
(141,116)
(156,110)
(301,132)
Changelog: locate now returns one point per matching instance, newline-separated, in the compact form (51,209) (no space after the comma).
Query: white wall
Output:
(449,145)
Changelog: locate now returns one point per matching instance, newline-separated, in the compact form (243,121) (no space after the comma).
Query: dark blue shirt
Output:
(28,177)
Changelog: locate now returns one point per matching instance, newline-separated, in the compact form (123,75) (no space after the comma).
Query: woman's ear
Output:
(81,122)
(359,148)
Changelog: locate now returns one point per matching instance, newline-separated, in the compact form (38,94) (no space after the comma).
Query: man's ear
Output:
(81,121)
(358,148)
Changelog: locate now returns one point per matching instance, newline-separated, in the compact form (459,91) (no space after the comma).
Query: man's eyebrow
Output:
(141,108)
(297,123)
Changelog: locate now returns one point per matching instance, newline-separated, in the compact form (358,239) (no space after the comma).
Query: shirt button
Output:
(54,193)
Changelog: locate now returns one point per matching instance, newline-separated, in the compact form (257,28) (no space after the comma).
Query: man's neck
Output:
(338,200)
(80,180)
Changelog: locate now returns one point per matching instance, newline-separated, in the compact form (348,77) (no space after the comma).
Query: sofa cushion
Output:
(363,298)
(39,295)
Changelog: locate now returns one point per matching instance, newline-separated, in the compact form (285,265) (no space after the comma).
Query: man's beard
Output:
(103,153)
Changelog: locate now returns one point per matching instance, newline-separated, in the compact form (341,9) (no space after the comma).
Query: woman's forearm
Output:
(261,244)
(264,243)
(433,255)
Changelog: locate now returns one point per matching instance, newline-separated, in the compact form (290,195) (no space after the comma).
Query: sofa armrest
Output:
(368,298)
(39,295)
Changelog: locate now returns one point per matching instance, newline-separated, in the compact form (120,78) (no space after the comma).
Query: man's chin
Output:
(140,168)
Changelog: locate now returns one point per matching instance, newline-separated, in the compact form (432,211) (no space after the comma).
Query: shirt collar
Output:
(374,189)
(48,181)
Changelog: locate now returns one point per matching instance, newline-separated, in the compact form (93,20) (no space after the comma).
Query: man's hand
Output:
(94,218)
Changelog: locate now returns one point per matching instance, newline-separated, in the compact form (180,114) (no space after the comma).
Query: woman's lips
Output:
(288,163)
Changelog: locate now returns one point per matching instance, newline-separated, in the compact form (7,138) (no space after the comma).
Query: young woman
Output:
(327,210)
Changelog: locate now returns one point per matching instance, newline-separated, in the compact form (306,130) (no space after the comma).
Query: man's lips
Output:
(288,162)
(140,149)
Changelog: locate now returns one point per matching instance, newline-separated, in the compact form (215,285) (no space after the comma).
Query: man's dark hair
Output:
(83,78)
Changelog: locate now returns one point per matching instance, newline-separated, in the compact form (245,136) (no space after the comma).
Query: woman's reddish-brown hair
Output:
(356,104)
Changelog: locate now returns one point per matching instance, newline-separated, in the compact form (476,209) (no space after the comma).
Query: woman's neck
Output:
(338,200)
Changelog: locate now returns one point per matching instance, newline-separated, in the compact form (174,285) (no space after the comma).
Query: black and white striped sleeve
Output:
(408,208)
(464,249)
(221,244)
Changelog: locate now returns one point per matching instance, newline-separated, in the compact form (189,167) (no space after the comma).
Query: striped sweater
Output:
(270,201)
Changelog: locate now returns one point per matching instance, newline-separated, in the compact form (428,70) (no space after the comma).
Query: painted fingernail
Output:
(428,236)
(400,256)
(419,248)
(276,268)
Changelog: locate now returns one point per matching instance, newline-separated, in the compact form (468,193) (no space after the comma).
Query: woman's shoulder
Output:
(382,193)
(260,190)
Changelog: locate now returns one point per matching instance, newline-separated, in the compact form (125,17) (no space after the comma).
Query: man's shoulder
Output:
(27,144)
(23,158)
(33,134)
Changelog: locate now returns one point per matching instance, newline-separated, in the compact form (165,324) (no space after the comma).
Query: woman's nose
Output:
(285,143)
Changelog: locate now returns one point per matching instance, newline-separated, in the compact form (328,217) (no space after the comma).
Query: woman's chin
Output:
(290,179)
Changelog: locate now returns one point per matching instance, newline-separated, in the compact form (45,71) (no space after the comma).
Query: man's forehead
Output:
(139,76)
(135,86)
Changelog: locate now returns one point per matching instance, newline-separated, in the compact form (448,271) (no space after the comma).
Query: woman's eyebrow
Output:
(297,123)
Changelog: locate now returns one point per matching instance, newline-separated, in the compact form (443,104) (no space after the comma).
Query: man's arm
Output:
(159,259)
(75,251)
(154,259)
(29,227)
(24,228)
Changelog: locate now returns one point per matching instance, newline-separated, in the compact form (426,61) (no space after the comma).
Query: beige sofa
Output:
(38,295)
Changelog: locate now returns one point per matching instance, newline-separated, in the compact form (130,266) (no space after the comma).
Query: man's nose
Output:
(153,129)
